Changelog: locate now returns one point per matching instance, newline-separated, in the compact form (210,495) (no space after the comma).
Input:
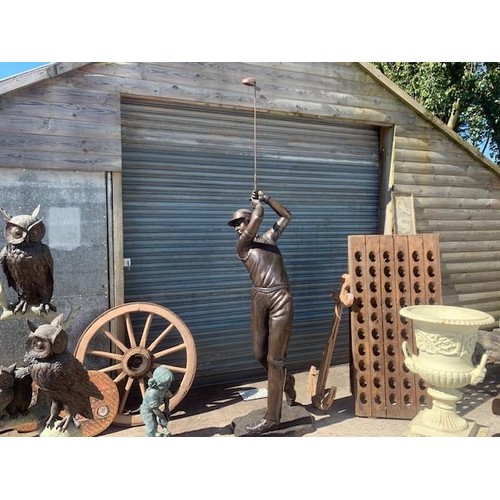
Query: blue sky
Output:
(13,68)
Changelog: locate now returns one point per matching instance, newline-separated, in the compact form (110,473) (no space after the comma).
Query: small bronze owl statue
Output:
(23,393)
(59,374)
(27,262)
(7,379)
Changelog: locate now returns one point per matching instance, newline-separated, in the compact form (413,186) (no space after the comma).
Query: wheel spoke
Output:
(111,368)
(142,386)
(123,348)
(161,337)
(145,332)
(119,377)
(105,354)
(175,369)
(130,330)
(126,392)
(170,350)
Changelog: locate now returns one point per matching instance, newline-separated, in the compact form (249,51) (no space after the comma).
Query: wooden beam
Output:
(36,75)
(386,220)
(116,241)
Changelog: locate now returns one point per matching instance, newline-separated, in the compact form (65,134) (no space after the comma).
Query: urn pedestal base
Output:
(442,419)
(420,428)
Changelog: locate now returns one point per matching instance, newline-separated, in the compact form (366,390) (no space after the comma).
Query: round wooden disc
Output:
(104,410)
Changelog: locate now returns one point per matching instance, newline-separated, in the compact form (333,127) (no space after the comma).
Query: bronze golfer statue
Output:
(272,304)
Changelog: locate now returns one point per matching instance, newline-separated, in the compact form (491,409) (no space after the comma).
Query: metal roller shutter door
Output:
(186,168)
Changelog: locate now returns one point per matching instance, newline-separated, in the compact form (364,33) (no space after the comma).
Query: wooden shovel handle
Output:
(342,298)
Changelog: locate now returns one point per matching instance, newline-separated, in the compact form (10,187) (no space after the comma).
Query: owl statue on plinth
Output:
(59,374)
(7,379)
(27,262)
(23,393)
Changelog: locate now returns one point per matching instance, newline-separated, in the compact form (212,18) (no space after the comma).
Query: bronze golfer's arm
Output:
(284,216)
(250,231)
(255,220)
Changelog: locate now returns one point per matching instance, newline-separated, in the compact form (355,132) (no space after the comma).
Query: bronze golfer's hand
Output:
(263,197)
(254,198)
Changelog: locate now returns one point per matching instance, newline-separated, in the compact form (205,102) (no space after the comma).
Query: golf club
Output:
(252,83)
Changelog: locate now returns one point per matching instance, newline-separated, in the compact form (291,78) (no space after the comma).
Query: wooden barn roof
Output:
(52,70)
(36,75)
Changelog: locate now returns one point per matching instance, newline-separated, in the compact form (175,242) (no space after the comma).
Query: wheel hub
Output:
(137,362)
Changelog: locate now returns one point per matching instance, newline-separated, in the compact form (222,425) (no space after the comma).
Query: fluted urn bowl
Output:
(445,337)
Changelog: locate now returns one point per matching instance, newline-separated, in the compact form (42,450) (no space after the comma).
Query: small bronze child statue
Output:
(157,394)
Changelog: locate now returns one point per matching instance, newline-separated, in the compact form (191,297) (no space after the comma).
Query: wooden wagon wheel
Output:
(164,340)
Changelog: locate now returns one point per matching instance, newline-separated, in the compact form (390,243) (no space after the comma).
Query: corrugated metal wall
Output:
(187,168)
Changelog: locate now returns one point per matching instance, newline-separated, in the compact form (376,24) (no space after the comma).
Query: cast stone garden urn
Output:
(445,337)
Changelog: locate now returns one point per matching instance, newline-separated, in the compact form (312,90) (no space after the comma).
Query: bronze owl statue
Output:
(23,393)
(7,379)
(59,374)
(27,262)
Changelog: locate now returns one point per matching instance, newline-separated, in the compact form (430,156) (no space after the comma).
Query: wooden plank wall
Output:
(72,122)
(459,199)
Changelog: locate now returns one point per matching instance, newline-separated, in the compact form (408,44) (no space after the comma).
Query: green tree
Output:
(464,95)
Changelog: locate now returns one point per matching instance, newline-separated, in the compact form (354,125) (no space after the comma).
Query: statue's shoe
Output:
(262,426)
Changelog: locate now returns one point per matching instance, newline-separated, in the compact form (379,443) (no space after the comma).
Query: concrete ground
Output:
(210,411)
(214,411)
(270,468)
(282,468)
